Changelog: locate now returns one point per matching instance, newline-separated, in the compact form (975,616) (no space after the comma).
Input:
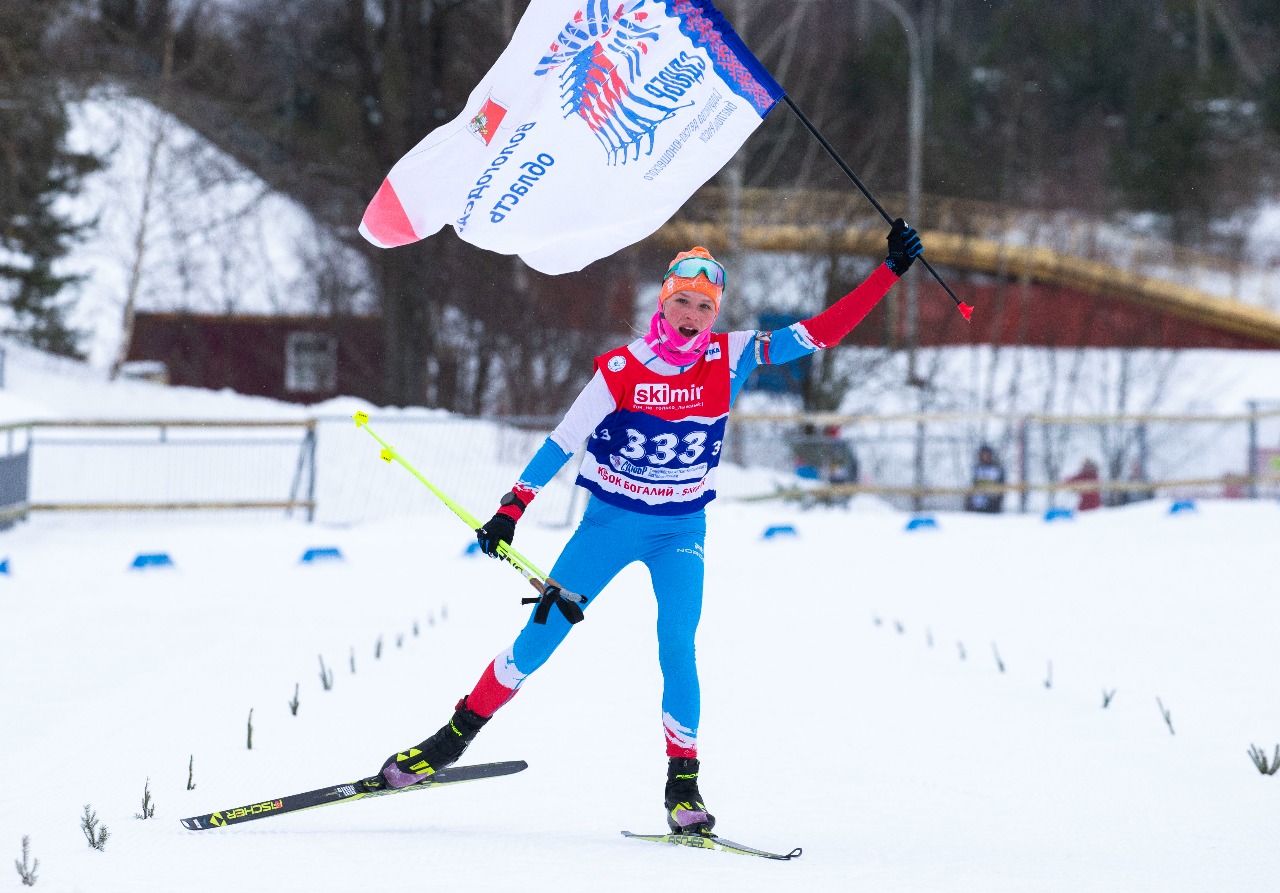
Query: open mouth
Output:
(687,332)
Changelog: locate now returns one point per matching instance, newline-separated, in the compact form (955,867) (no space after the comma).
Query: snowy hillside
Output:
(43,387)
(853,704)
(214,238)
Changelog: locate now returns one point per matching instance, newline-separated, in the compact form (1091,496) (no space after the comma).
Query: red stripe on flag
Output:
(386,220)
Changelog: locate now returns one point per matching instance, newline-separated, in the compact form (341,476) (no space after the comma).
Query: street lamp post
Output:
(915,163)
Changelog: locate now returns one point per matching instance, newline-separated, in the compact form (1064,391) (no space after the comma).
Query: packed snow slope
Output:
(894,762)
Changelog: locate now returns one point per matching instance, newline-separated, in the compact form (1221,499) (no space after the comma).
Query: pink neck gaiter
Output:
(670,345)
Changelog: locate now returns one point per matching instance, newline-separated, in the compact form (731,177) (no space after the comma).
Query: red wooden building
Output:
(1042,315)
(308,359)
(303,359)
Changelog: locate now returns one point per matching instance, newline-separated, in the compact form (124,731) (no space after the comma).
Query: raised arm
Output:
(751,349)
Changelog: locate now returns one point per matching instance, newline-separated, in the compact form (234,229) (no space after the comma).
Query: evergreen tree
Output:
(36,168)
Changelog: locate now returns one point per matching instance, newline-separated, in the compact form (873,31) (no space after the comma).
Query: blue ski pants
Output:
(607,540)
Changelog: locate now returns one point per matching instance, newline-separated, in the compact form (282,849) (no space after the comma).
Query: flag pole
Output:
(965,309)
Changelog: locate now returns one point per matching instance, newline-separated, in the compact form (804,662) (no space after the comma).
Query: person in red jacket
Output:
(1089,499)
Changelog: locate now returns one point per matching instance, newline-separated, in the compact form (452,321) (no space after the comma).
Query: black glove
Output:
(904,247)
(499,529)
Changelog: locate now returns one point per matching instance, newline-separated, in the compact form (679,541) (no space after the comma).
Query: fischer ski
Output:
(713,842)
(345,792)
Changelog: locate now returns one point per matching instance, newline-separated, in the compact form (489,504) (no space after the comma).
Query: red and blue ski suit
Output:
(654,436)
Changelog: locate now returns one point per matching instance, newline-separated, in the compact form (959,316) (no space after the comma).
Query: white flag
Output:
(596,124)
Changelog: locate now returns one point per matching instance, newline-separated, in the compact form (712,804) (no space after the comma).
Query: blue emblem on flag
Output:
(600,53)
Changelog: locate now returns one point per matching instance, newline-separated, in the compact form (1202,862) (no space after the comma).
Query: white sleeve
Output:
(738,342)
(593,404)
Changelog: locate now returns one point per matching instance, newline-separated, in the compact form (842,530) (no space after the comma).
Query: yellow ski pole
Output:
(549,591)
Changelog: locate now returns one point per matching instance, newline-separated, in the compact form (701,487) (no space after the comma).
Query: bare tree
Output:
(159,132)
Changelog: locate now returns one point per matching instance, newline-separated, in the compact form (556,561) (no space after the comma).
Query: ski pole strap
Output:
(554,595)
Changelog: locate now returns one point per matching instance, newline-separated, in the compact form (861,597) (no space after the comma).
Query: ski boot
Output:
(686,813)
(440,750)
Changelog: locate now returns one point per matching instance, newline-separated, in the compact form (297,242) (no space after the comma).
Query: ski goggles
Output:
(691,267)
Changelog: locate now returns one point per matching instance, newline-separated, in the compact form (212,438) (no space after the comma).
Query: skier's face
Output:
(689,313)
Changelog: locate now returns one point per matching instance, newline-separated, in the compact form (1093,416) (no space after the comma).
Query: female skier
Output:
(655,416)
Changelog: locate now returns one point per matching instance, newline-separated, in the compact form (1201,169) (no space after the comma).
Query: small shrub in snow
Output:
(1106,698)
(191,772)
(1259,757)
(928,636)
(96,836)
(353,661)
(996,652)
(415,628)
(1168,717)
(1048,680)
(148,808)
(293,705)
(377,649)
(897,624)
(963,655)
(400,640)
(326,675)
(249,741)
(444,613)
(25,871)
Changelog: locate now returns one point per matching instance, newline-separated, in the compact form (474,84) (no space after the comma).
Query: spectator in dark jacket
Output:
(1089,499)
(988,470)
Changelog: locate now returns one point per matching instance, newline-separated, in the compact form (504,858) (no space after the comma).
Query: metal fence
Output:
(927,460)
(165,465)
(321,469)
(15,486)
(473,460)
(327,470)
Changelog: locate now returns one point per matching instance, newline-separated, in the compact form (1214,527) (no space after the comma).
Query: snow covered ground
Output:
(838,714)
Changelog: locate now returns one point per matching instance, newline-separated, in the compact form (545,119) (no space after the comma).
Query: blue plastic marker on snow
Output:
(327,553)
(152,559)
(923,522)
